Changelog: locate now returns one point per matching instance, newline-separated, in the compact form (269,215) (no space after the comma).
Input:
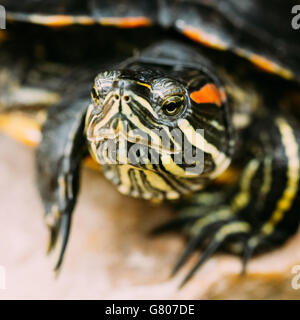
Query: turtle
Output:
(168,120)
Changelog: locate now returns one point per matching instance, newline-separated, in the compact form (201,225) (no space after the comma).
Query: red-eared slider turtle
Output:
(166,122)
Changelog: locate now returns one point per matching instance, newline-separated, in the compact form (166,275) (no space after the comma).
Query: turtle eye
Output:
(173,105)
(95,96)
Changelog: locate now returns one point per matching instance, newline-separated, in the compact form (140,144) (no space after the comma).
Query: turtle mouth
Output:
(133,139)
(118,131)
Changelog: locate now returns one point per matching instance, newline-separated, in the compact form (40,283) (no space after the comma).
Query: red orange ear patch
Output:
(209,94)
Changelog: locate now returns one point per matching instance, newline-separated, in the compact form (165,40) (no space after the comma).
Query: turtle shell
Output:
(257,30)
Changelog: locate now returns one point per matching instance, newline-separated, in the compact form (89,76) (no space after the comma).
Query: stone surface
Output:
(110,253)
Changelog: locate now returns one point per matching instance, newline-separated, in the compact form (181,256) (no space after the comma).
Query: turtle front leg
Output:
(260,211)
(58,161)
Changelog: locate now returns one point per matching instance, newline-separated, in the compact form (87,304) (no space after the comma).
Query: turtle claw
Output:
(209,251)
(62,240)
(185,255)
(59,234)
(222,230)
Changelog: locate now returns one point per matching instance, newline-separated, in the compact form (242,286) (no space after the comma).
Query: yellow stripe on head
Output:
(197,140)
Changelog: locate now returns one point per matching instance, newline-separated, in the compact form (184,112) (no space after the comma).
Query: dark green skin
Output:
(259,140)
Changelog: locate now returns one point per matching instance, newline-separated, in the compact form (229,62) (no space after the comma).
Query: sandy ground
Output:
(110,253)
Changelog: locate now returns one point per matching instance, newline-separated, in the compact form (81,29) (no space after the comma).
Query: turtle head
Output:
(158,134)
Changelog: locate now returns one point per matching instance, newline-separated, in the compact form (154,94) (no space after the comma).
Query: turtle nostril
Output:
(116,97)
(126,98)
